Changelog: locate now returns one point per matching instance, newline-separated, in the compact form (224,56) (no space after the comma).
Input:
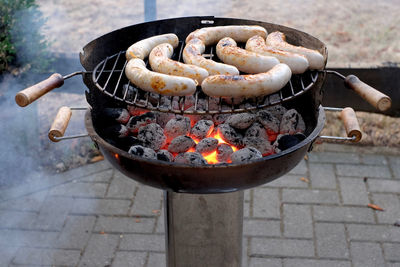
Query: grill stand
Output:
(203,229)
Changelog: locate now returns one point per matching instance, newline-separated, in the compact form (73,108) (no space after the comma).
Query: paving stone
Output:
(121,187)
(17,219)
(100,250)
(247,194)
(261,228)
(101,206)
(391,204)
(387,233)
(281,247)
(343,214)
(100,177)
(395,166)
(392,264)
(75,189)
(129,259)
(53,213)
(315,263)
(245,249)
(309,196)
(301,168)
(76,232)
(27,238)
(297,221)
(32,202)
(353,191)
(160,227)
(331,240)
(263,262)
(266,203)
(333,157)
(363,171)
(366,254)
(7,253)
(373,159)
(146,200)
(322,176)
(143,242)
(246,209)
(125,224)
(288,181)
(384,186)
(40,256)
(392,251)
(157,260)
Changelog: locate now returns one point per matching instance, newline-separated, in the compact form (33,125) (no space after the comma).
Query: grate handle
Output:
(60,124)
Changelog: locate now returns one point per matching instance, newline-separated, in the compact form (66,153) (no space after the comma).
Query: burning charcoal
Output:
(277,111)
(164,155)
(207,145)
(180,144)
(120,115)
(129,92)
(224,152)
(269,121)
(117,130)
(213,103)
(142,151)
(292,123)
(177,126)
(194,158)
(202,129)
(247,105)
(220,118)
(139,121)
(135,111)
(163,117)
(180,158)
(285,141)
(152,135)
(233,100)
(261,144)
(230,135)
(241,120)
(195,118)
(256,130)
(245,154)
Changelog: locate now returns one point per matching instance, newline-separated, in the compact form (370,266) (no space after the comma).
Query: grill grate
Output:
(109,77)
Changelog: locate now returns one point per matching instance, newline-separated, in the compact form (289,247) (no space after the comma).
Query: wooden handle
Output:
(30,94)
(351,125)
(60,123)
(377,99)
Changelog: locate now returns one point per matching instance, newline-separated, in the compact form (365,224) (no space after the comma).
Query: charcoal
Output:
(128,92)
(152,135)
(269,121)
(194,158)
(224,152)
(135,111)
(163,117)
(256,130)
(220,118)
(195,118)
(119,115)
(213,103)
(241,120)
(164,155)
(233,100)
(177,126)
(261,144)
(126,142)
(229,135)
(180,158)
(292,123)
(116,131)
(245,154)
(139,121)
(277,111)
(247,105)
(207,145)
(181,144)
(285,141)
(202,129)
(142,151)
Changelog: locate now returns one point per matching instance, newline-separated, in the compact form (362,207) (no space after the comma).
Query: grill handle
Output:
(60,124)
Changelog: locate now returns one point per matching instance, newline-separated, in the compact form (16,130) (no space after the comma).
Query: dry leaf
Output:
(306,157)
(137,220)
(102,233)
(375,207)
(155,211)
(97,158)
(304,179)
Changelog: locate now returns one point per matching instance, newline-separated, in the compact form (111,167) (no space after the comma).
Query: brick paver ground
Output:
(94,216)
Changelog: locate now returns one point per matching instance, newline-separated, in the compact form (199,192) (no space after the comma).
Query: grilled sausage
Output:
(278,40)
(247,85)
(246,61)
(160,61)
(211,35)
(143,48)
(192,55)
(158,83)
(296,62)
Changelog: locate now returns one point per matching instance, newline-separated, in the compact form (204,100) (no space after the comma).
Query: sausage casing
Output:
(142,48)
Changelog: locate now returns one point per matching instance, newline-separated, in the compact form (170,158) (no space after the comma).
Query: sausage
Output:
(239,33)
(247,85)
(160,61)
(143,48)
(246,61)
(277,40)
(158,83)
(192,55)
(296,62)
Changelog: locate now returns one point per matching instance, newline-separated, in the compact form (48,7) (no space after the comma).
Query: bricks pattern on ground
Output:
(103,218)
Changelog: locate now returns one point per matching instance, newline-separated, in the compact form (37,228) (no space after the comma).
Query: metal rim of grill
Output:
(109,78)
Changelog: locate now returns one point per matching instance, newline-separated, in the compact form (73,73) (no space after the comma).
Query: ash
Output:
(277,111)
(202,129)
(261,144)
(139,121)
(207,145)
(269,121)
(181,144)
(164,155)
(177,126)
(292,123)
(152,135)
(256,130)
(241,120)
(230,135)
(194,158)
(245,154)
(142,151)
(224,153)
(120,115)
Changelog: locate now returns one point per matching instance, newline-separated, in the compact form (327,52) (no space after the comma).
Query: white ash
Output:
(177,126)
(142,151)
(292,123)
(213,103)
(241,120)
(202,129)
(207,145)
(120,115)
(261,144)
(224,152)
(164,155)
(220,118)
(152,135)
(230,135)
(116,131)
(163,117)
(180,158)
(277,111)
(181,144)
(136,122)
(194,158)
(245,154)
(256,130)
(269,121)
(129,92)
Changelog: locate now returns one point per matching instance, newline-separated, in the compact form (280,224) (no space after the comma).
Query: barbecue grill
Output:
(201,230)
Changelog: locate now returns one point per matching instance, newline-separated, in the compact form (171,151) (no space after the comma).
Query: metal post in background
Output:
(150,10)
